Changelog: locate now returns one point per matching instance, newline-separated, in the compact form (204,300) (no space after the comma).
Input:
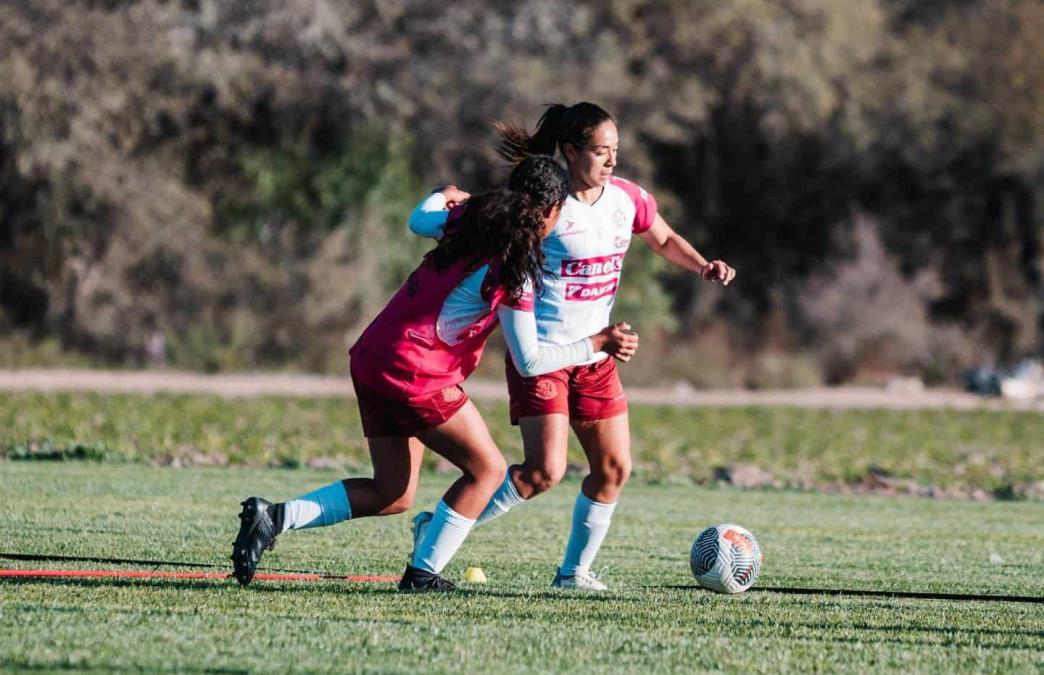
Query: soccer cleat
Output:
(420,526)
(416,579)
(260,522)
(582,581)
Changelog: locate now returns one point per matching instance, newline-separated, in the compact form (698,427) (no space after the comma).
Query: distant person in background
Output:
(584,256)
(156,350)
(408,365)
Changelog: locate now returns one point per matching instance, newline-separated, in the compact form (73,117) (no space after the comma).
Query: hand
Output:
(454,196)
(717,270)
(618,340)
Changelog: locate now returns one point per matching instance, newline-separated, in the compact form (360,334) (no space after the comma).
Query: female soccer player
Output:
(408,365)
(584,255)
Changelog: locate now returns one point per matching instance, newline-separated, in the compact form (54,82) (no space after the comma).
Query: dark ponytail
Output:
(503,227)
(559,125)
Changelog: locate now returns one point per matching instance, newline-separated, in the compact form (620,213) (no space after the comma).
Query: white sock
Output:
(444,535)
(502,500)
(590,523)
(326,506)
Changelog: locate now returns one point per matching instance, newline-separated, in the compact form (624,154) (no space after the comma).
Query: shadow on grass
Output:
(879,594)
(24,665)
(198,584)
(331,585)
(950,636)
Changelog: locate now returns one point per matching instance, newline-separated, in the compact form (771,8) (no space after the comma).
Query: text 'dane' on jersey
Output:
(581,292)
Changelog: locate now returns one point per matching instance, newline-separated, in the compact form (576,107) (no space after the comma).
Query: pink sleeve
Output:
(644,204)
(497,295)
(524,303)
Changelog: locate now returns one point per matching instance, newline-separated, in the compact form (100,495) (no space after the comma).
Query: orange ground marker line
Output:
(144,574)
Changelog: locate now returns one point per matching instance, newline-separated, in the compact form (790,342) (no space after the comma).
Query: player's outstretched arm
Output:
(673,248)
(429,218)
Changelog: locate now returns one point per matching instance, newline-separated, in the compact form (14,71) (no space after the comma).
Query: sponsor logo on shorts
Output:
(451,394)
(585,292)
(545,390)
(593,267)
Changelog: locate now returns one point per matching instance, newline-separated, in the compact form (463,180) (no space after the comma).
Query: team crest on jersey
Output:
(619,218)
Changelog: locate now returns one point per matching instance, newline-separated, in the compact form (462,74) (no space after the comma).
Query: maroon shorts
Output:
(585,393)
(383,416)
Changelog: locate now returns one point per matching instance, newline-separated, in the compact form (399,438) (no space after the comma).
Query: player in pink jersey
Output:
(408,365)
(585,254)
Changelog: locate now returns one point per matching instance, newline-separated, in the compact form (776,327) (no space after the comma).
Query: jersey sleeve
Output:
(429,218)
(497,296)
(525,302)
(530,358)
(644,204)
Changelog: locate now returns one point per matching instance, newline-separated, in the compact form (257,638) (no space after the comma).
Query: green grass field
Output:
(988,450)
(651,620)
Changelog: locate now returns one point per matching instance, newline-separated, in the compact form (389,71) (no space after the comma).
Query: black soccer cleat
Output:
(260,522)
(416,579)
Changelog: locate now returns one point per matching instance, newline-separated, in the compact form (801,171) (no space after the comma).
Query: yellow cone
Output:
(474,575)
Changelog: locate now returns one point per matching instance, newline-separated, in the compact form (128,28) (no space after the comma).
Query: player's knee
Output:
(613,471)
(490,471)
(544,477)
(400,505)
(490,466)
(498,468)
(396,501)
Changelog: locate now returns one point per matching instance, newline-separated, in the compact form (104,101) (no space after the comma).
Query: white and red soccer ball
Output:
(726,558)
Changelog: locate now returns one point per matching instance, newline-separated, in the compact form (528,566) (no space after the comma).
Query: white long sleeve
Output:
(529,357)
(429,218)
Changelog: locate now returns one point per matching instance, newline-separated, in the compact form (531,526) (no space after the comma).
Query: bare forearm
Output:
(673,248)
(681,253)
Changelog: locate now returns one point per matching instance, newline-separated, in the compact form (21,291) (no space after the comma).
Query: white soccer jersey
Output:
(584,254)
(469,302)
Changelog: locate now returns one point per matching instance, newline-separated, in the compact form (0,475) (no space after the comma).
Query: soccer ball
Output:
(726,558)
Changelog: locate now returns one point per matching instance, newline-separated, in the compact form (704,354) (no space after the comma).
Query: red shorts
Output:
(585,393)
(383,416)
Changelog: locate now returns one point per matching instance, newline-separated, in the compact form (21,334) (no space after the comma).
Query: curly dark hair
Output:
(559,125)
(503,227)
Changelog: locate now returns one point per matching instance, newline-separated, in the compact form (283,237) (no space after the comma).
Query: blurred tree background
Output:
(235,176)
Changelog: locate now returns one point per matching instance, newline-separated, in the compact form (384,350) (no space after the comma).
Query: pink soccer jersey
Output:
(585,254)
(431,334)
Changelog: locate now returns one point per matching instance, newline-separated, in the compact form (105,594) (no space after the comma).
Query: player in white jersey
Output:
(584,255)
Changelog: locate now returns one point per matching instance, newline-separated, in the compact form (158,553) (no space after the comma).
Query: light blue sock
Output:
(444,535)
(326,506)
(502,500)
(590,523)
